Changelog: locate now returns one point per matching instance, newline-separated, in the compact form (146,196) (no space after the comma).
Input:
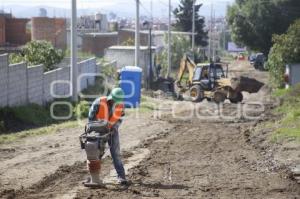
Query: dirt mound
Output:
(247,84)
(49,185)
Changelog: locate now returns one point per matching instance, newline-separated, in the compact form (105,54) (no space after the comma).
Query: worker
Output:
(111,109)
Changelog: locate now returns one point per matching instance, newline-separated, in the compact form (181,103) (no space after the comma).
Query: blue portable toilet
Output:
(131,83)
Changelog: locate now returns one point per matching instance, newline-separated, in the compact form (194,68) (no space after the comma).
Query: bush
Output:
(39,52)
(82,109)
(286,49)
(23,117)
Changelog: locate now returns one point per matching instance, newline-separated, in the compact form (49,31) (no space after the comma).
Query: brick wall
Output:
(60,33)
(124,35)
(16,31)
(42,28)
(98,43)
(49,29)
(20,85)
(2,30)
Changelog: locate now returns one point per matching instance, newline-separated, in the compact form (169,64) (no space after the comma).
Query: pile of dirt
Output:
(247,84)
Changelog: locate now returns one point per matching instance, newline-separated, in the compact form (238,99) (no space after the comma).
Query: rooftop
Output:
(100,34)
(159,32)
(129,47)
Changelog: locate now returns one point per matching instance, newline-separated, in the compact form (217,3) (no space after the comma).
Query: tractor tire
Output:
(219,97)
(196,93)
(239,98)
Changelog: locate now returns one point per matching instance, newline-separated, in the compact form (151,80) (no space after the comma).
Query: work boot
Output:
(94,167)
(122,181)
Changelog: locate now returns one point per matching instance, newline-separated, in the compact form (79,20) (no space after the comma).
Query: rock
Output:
(296,173)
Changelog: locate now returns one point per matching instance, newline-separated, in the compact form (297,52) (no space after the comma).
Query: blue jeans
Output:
(114,145)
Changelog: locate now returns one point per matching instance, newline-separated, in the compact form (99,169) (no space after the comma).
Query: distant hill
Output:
(159,10)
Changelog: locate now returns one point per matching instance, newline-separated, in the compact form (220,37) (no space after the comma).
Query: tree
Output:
(184,16)
(39,52)
(286,49)
(179,45)
(253,22)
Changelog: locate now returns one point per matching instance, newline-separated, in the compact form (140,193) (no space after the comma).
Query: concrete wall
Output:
(293,72)
(20,85)
(124,55)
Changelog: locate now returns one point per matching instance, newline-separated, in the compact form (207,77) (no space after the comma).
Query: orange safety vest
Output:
(103,112)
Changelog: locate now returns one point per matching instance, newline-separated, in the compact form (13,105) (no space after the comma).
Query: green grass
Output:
(8,138)
(280,92)
(146,106)
(289,124)
(287,133)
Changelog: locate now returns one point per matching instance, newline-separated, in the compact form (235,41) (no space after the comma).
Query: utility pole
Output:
(224,37)
(169,42)
(74,68)
(213,39)
(210,33)
(137,33)
(193,27)
(151,9)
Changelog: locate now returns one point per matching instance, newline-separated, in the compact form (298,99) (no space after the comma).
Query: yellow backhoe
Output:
(208,80)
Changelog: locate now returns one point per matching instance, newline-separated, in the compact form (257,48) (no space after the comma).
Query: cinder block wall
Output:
(21,85)
(3,80)
(17,84)
(35,88)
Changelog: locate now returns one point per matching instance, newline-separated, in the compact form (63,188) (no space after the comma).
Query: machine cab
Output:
(201,72)
(206,74)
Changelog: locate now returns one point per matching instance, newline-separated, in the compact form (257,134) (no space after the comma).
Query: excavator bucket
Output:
(246,84)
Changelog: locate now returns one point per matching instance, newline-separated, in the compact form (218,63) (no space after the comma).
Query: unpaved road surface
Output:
(196,151)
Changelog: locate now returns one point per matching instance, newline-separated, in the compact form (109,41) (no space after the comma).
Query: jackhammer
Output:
(93,141)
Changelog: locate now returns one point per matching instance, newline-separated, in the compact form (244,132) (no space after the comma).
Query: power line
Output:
(142,5)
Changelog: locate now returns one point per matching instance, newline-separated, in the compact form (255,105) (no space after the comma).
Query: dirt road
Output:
(199,151)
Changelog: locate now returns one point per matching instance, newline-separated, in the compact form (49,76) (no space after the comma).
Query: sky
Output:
(121,6)
(92,3)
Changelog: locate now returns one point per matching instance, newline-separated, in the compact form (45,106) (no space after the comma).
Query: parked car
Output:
(252,59)
(259,62)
